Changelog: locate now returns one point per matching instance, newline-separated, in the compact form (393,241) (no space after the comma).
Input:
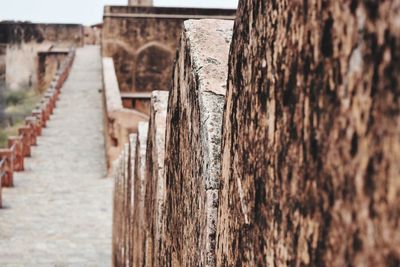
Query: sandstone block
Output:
(140,180)
(311,136)
(123,205)
(193,141)
(155,187)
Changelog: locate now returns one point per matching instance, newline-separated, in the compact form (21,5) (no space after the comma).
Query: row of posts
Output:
(19,147)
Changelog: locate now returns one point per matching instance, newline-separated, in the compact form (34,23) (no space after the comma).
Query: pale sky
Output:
(83,11)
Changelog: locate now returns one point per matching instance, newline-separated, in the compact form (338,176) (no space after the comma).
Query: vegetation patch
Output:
(18,105)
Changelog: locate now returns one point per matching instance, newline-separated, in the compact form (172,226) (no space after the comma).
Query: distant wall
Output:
(58,34)
(24,40)
(48,64)
(92,34)
(143,42)
(140,2)
(3,49)
(119,121)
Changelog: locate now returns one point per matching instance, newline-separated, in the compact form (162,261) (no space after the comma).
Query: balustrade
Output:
(19,147)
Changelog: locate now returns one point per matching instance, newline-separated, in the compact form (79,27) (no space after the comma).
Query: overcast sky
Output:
(83,11)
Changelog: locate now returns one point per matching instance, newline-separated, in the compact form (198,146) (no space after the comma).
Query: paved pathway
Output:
(59,213)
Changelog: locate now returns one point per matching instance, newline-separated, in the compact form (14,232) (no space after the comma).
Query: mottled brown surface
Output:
(123,173)
(120,201)
(155,186)
(311,142)
(139,187)
(193,143)
(143,48)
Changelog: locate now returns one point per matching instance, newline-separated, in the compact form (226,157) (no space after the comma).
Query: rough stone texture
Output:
(131,197)
(311,142)
(123,169)
(120,208)
(139,231)
(143,40)
(59,212)
(155,186)
(118,212)
(194,120)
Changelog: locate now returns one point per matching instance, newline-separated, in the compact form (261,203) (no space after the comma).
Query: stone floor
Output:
(59,213)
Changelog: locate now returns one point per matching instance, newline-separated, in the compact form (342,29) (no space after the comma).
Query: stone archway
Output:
(153,67)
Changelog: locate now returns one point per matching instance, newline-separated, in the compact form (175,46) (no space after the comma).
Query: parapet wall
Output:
(311,136)
(175,200)
(155,185)
(285,154)
(193,142)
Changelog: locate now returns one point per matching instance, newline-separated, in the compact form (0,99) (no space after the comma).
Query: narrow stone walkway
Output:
(59,213)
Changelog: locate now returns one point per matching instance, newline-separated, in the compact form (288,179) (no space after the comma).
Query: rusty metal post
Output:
(24,132)
(32,122)
(46,108)
(39,114)
(16,141)
(8,156)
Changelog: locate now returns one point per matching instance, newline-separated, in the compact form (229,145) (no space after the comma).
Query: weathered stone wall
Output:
(310,141)
(139,191)
(123,173)
(48,64)
(155,186)
(139,185)
(311,136)
(175,206)
(63,35)
(92,34)
(140,2)
(24,40)
(143,40)
(192,162)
